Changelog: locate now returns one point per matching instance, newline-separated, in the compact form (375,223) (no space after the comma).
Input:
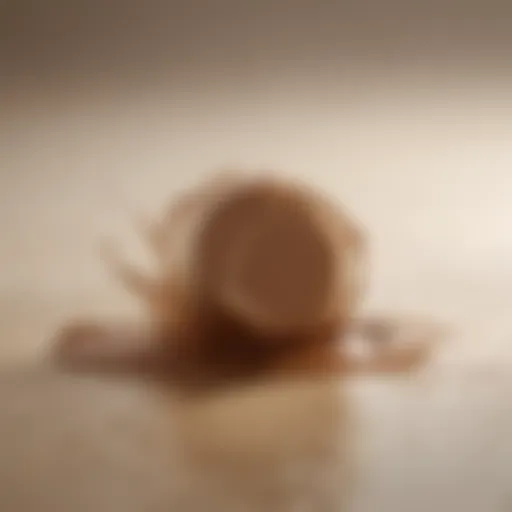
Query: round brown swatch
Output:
(264,256)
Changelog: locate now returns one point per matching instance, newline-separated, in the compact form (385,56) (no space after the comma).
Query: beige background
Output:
(403,112)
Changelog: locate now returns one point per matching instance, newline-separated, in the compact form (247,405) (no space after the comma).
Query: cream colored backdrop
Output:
(403,112)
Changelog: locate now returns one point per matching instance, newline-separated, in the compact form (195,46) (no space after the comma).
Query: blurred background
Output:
(401,110)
